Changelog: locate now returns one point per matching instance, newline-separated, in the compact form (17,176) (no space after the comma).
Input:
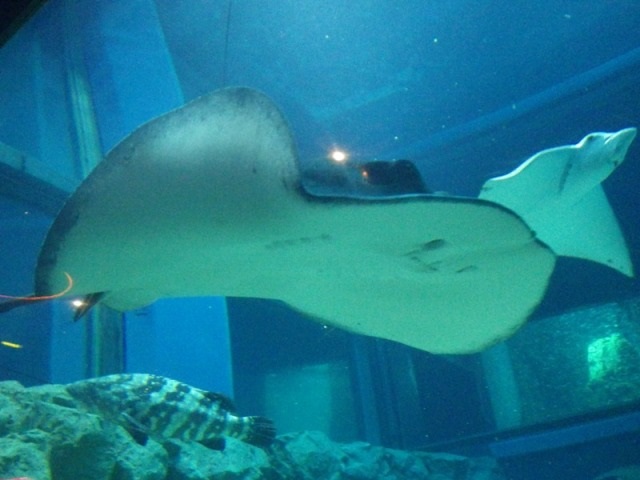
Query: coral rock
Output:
(44,435)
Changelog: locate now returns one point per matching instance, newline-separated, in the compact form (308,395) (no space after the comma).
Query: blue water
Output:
(466,90)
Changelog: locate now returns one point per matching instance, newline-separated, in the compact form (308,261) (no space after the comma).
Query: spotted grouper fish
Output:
(164,409)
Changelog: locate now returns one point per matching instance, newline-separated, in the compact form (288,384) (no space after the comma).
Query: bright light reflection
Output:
(338,156)
(77,303)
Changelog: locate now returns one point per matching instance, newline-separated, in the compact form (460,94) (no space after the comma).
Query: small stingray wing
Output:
(587,229)
(535,184)
(559,194)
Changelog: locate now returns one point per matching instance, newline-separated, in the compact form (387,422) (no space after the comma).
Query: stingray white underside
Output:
(206,201)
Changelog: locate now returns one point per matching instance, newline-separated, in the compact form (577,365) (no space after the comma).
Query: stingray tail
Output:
(86,304)
(19,302)
(14,301)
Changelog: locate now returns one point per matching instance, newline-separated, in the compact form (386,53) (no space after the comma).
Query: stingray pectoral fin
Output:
(177,189)
(445,275)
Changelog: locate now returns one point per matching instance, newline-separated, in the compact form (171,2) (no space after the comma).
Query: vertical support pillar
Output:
(364,390)
(503,389)
(105,342)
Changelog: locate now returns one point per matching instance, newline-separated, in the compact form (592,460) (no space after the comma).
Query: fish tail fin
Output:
(260,431)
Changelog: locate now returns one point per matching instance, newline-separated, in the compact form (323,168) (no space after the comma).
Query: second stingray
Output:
(206,200)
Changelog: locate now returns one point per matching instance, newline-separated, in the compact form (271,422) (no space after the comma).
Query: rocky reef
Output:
(44,436)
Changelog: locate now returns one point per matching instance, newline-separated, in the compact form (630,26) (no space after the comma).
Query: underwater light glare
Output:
(77,303)
(338,156)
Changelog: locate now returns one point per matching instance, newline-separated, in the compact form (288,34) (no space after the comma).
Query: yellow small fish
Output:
(10,344)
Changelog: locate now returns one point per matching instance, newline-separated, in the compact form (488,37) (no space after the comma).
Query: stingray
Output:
(559,194)
(207,200)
